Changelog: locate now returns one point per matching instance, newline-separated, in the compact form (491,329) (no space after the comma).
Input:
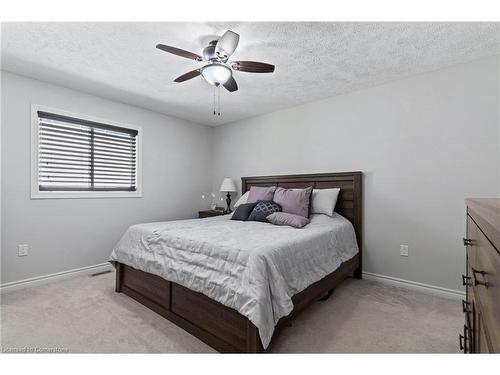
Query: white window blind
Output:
(82,155)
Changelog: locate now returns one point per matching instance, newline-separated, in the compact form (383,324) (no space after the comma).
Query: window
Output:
(81,157)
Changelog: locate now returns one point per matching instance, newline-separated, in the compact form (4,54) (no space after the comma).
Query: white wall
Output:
(498,107)
(65,234)
(424,144)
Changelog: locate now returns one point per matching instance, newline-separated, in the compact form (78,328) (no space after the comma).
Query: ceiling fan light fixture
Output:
(216,74)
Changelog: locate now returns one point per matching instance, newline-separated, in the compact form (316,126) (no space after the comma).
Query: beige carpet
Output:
(84,314)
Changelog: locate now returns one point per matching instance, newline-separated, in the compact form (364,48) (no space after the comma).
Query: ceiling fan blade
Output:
(179,52)
(231,85)
(188,75)
(227,44)
(252,67)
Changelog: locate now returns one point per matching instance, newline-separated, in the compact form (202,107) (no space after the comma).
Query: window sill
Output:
(85,195)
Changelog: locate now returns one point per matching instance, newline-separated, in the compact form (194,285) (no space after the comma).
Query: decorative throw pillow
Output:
(293,201)
(242,199)
(258,193)
(263,209)
(243,211)
(282,218)
(324,201)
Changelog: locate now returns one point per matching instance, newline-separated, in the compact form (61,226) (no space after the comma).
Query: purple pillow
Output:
(282,218)
(261,194)
(294,201)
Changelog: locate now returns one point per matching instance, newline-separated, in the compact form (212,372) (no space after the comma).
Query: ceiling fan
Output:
(218,71)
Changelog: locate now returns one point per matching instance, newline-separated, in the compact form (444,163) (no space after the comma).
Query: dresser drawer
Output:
(484,261)
(482,344)
(472,233)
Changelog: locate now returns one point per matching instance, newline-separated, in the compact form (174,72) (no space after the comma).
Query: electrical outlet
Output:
(22,250)
(403,250)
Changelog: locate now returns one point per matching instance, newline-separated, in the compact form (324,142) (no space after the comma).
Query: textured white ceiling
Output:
(313,60)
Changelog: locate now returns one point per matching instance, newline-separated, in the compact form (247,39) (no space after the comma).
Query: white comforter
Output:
(252,267)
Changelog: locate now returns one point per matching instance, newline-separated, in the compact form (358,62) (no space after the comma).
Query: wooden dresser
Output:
(481,332)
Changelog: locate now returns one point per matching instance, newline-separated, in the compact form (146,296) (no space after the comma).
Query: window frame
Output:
(36,193)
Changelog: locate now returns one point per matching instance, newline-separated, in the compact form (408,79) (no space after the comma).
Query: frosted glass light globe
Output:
(216,74)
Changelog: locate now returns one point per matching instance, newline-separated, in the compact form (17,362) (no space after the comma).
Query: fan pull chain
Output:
(214,99)
(218,98)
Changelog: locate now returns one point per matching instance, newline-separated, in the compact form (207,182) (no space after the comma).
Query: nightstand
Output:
(209,213)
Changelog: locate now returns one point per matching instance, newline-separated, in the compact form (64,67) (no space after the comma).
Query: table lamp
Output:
(228,187)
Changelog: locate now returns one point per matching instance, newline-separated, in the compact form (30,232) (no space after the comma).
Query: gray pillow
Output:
(258,193)
(282,218)
(243,211)
(294,201)
(262,210)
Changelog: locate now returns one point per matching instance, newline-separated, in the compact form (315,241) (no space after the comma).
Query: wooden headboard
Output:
(349,203)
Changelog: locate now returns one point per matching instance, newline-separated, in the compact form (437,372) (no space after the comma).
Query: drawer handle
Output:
(464,338)
(467,241)
(476,281)
(465,280)
(465,306)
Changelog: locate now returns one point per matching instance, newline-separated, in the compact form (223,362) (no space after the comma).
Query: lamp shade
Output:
(228,185)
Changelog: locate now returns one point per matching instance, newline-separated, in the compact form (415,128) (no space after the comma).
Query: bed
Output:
(233,284)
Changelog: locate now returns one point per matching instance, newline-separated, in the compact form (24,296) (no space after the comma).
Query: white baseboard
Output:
(413,285)
(40,280)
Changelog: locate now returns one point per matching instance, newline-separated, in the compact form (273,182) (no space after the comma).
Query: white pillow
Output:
(242,199)
(324,200)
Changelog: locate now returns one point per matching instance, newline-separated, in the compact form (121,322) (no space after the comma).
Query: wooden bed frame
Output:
(224,328)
